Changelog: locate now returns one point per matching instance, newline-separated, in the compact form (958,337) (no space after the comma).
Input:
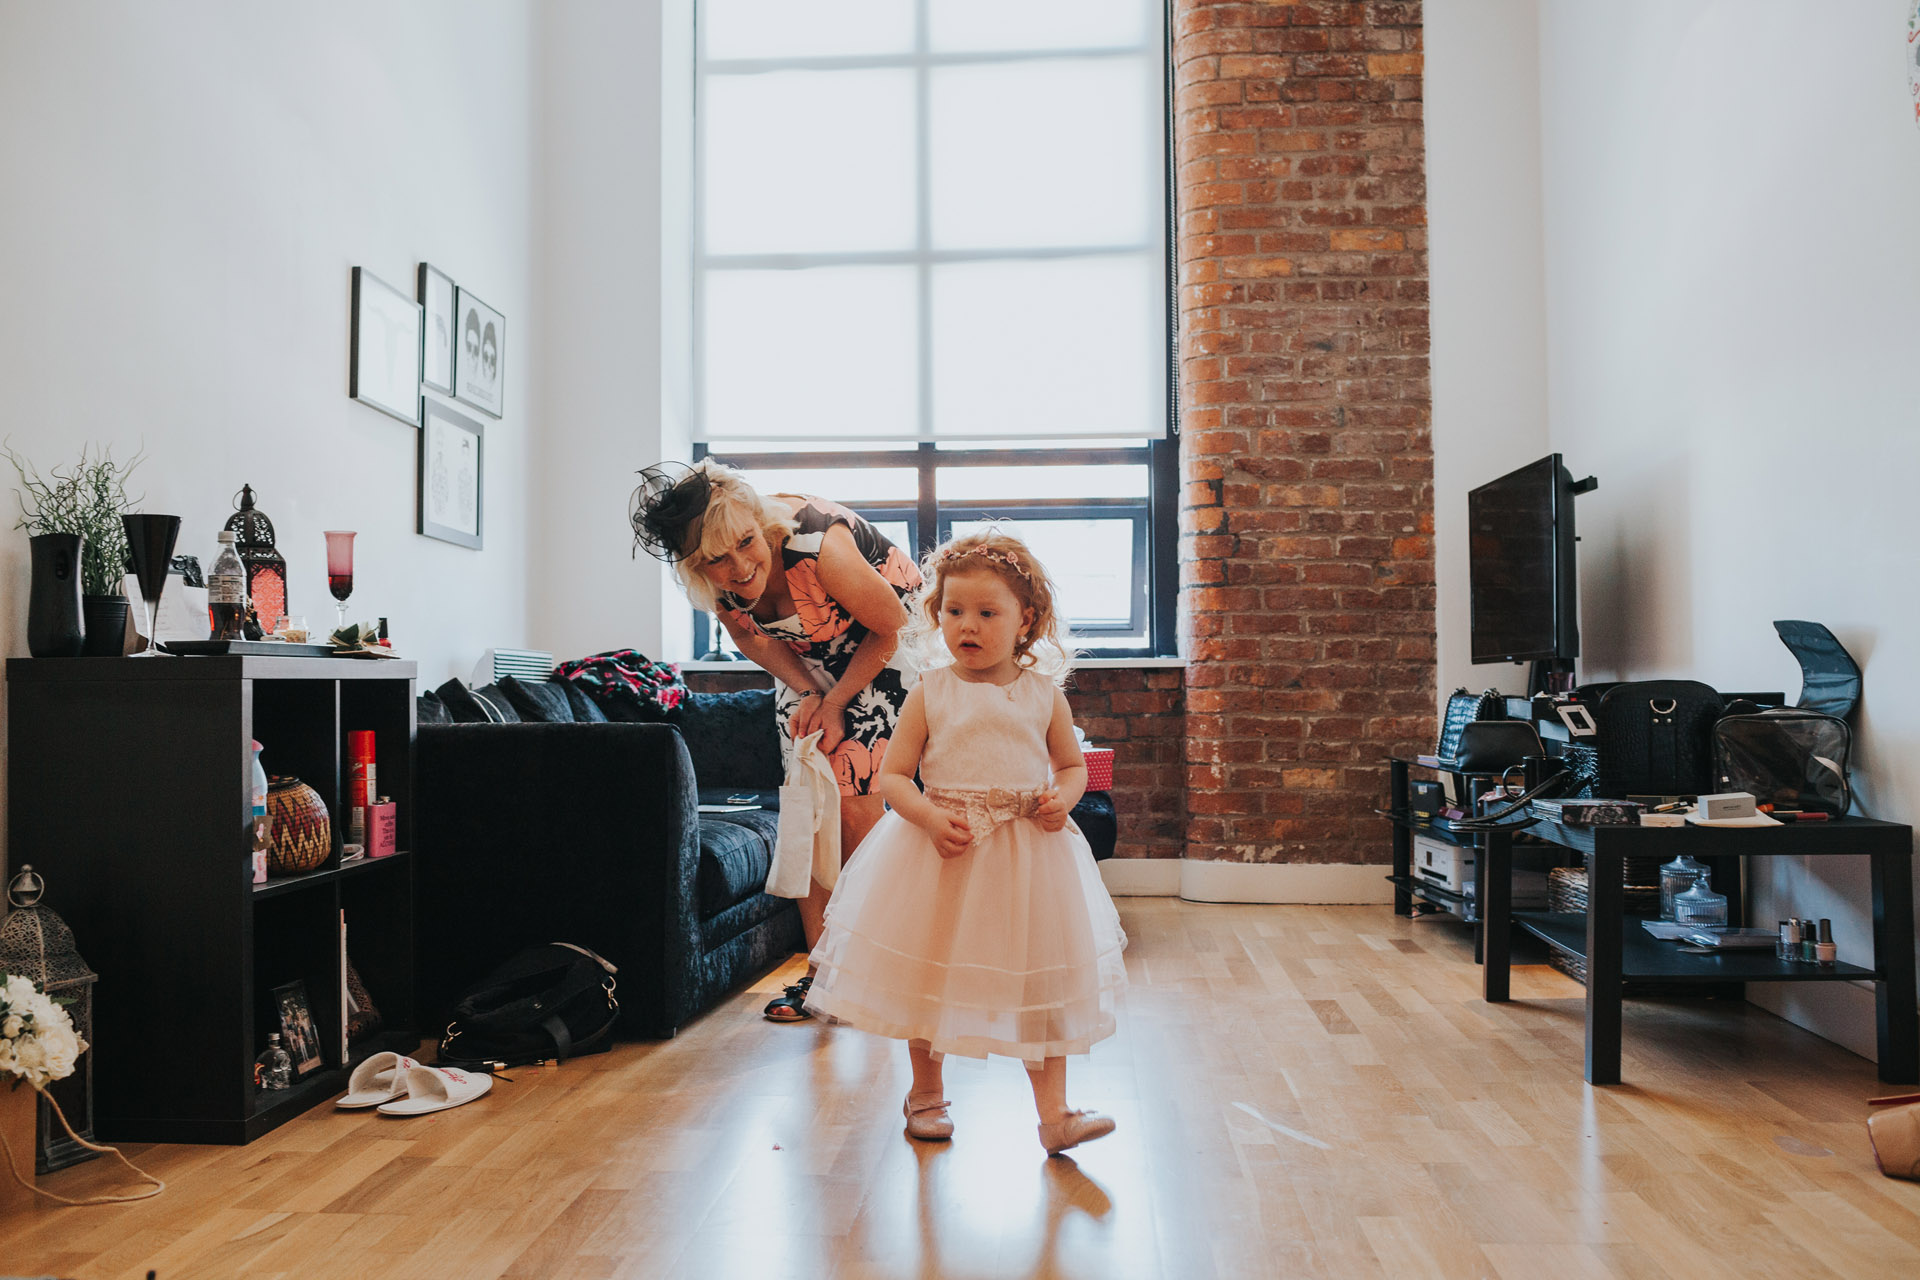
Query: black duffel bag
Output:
(548,1003)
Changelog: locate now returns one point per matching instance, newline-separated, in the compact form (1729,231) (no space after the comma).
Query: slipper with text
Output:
(380,1078)
(437,1089)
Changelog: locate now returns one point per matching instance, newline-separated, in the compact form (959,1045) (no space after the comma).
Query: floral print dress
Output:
(825,635)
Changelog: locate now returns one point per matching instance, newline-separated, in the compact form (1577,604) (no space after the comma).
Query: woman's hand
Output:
(816,713)
(949,832)
(1051,813)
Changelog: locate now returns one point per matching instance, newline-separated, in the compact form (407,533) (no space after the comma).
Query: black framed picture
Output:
(452,477)
(385,346)
(479,362)
(297,1028)
(436,329)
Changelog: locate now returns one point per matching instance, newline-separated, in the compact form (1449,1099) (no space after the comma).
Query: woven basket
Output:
(302,830)
(1567,891)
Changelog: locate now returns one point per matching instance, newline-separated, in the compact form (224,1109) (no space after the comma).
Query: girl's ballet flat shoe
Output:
(1077,1127)
(928,1120)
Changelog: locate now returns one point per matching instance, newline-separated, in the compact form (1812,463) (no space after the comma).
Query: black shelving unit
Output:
(130,788)
(1408,886)
(1618,950)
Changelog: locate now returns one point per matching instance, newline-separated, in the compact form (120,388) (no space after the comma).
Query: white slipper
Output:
(436,1089)
(380,1078)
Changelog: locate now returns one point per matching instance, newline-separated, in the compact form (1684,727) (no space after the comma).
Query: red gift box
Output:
(1099,768)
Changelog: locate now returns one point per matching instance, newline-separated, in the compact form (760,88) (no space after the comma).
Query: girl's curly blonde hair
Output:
(994,551)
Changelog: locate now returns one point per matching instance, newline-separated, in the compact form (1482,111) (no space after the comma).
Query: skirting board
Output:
(1294,882)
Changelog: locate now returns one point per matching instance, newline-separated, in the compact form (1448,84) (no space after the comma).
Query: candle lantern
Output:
(266,569)
(36,943)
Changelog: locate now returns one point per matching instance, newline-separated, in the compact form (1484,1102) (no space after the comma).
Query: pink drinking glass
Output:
(340,568)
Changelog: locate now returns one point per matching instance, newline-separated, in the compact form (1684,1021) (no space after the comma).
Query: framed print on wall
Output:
(479,362)
(385,346)
(436,300)
(452,480)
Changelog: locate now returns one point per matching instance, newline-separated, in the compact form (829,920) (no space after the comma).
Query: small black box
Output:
(1425,798)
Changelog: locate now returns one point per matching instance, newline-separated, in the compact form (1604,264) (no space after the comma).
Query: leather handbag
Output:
(1463,709)
(1656,738)
(1494,746)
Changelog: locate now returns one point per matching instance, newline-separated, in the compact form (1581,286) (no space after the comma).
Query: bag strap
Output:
(562,1039)
(1663,739)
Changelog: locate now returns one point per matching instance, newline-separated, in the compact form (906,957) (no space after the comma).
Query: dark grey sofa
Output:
(590,833)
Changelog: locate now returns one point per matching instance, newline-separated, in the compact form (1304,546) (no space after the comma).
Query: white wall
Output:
(599,234)
(1489,302)
(1731,272)
(184,190)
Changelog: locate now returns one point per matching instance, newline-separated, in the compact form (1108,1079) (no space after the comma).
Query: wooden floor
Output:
(1301,1091)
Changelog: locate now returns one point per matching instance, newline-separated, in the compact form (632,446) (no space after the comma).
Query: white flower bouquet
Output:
(37,1041)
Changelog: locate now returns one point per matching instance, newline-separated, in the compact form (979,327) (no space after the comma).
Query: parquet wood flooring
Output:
(1301,1091)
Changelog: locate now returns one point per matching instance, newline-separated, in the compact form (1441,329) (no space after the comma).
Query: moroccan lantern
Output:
(266,569)
(36,943)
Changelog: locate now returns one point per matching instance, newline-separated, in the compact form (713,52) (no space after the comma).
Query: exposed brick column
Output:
(1307,522)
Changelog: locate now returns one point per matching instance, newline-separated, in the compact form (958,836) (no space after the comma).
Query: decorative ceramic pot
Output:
(302,830)
(54,628)
(106,626)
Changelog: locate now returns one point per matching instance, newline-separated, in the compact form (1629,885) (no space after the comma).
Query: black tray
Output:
(245,648)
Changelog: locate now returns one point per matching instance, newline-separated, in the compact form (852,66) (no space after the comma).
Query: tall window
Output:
(931,276)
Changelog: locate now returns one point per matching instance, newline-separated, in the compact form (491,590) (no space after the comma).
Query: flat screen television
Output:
(1520,566)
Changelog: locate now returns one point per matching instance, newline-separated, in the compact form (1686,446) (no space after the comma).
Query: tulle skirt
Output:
(1013,948)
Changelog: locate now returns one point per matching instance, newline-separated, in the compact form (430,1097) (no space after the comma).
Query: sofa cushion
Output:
(542,702)
(732,737)
(736,853)
(585,709)
(428,709)
(477,706)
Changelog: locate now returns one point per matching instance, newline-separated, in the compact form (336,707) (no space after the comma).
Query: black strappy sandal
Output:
(790,1007)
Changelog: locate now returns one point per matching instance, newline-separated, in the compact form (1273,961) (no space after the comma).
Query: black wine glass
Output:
(150,542)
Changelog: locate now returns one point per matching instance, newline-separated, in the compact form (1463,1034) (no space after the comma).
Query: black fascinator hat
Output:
(667,508)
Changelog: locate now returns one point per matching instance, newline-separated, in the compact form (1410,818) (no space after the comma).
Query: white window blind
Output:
(930,220)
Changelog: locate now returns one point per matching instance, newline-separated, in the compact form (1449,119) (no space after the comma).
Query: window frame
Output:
(1156,534)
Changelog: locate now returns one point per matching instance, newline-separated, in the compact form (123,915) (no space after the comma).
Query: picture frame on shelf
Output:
(436,295)
(479,361)
(384,370)
(298,1031)
(452,476)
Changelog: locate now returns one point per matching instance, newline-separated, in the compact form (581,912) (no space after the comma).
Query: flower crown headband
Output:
(947,554)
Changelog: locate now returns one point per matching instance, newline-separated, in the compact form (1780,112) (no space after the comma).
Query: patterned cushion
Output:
(733,738)
(477,706)
(736,853)
(428,709)
(538,703)
(585,709)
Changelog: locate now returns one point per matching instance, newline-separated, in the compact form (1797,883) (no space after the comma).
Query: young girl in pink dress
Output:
(972,920)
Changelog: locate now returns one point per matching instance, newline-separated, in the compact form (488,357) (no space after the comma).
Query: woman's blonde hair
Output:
(733,507)
(998,552)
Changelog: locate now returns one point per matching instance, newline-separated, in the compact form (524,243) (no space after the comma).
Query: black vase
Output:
(106,626)
(54,629)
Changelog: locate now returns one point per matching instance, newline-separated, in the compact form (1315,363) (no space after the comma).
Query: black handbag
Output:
(548,1003)
(1463,709)
(1787,757)
(1655,738)
(1494,746)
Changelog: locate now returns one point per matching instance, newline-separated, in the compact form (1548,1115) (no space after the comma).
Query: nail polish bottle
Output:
(1807,955)
(1789,948)
(1823,947)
